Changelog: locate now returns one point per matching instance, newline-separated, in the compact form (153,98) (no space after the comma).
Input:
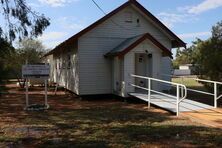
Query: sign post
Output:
(46,97)
(40,71)
(27,92)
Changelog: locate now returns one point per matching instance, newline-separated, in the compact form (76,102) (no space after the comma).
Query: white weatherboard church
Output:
(100,58)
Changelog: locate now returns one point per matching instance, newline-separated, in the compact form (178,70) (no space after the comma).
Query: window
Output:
(138,22)
(64,64)
(140,59)
(128,17)
(60,63)
(69,63)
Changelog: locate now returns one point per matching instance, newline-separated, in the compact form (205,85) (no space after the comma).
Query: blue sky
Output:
(187,18)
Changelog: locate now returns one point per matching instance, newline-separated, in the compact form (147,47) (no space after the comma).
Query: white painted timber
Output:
(91,73)
(169,103)
(64,75)
(129,64)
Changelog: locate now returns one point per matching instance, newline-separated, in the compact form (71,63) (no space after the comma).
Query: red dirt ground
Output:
(70,117)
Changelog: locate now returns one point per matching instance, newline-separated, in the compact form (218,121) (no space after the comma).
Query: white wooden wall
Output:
(95,75)
(129,64)
(70,76)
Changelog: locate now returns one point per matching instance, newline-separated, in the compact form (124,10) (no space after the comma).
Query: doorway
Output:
(143,67)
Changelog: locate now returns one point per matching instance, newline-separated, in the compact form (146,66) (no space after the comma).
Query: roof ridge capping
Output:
(177,42)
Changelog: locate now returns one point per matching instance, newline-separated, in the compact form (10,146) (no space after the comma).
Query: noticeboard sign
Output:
(36,71)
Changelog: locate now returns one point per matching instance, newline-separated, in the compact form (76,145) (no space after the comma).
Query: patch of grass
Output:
(189,82)
(116,126)
(73,123)
(193,84)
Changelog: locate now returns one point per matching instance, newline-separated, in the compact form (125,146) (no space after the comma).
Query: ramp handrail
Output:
(215,83)
(215,94)
(179,97)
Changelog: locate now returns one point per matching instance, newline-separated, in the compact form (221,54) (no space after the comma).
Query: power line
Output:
(115,23)
(99,7)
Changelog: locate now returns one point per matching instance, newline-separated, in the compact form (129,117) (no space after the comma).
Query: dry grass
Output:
(96,123)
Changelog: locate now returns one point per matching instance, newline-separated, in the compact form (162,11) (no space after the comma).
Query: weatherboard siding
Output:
(69,77)
(116,27)
(95,73)
(129,64)
(95,70)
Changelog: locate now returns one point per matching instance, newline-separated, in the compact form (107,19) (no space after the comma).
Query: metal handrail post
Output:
(178,100)
(182,92)
(180,87)
(215,95)
(149,92)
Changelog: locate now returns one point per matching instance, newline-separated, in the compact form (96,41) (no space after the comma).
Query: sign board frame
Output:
(40,71)
(36,71)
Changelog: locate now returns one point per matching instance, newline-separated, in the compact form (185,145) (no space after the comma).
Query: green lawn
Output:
(189,82)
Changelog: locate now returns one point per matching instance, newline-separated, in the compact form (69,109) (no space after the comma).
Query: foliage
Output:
(28,50)
(208,55)
(183,57)
(20,20)
(12,60)
(205,55)
(186,56)
(31,50)
(6,51)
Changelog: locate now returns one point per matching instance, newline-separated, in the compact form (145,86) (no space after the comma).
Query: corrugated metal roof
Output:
(177,42)
(125,44)
(131,43)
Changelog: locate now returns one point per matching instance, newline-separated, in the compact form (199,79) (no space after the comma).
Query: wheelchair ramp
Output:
(169,103)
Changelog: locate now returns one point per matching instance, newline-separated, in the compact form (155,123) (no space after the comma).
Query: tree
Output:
(205,55)
(6,51)
(20,20)
(28,50)
(209,54)
(31,50)
(217,31)
(183,57)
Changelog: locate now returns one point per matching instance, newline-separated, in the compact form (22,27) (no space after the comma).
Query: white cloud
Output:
(204,6)
(169,19)
(186,14)
(52,44)
(71,23)
(194,35)
(68,25)
(52,36)
(52,39)
(56,3)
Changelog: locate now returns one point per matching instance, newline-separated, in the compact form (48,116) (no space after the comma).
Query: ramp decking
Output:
(169,103)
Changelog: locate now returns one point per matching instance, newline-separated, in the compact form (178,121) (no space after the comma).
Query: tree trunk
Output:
(21,82)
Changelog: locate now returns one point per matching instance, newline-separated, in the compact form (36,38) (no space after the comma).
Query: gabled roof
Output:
(177,42)
(130,43)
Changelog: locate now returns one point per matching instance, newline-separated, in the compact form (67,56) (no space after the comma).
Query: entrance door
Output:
(141,68)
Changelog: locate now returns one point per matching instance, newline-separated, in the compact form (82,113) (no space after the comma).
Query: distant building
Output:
(186,69)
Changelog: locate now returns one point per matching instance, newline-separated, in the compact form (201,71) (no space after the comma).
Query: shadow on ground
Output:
(107,122)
